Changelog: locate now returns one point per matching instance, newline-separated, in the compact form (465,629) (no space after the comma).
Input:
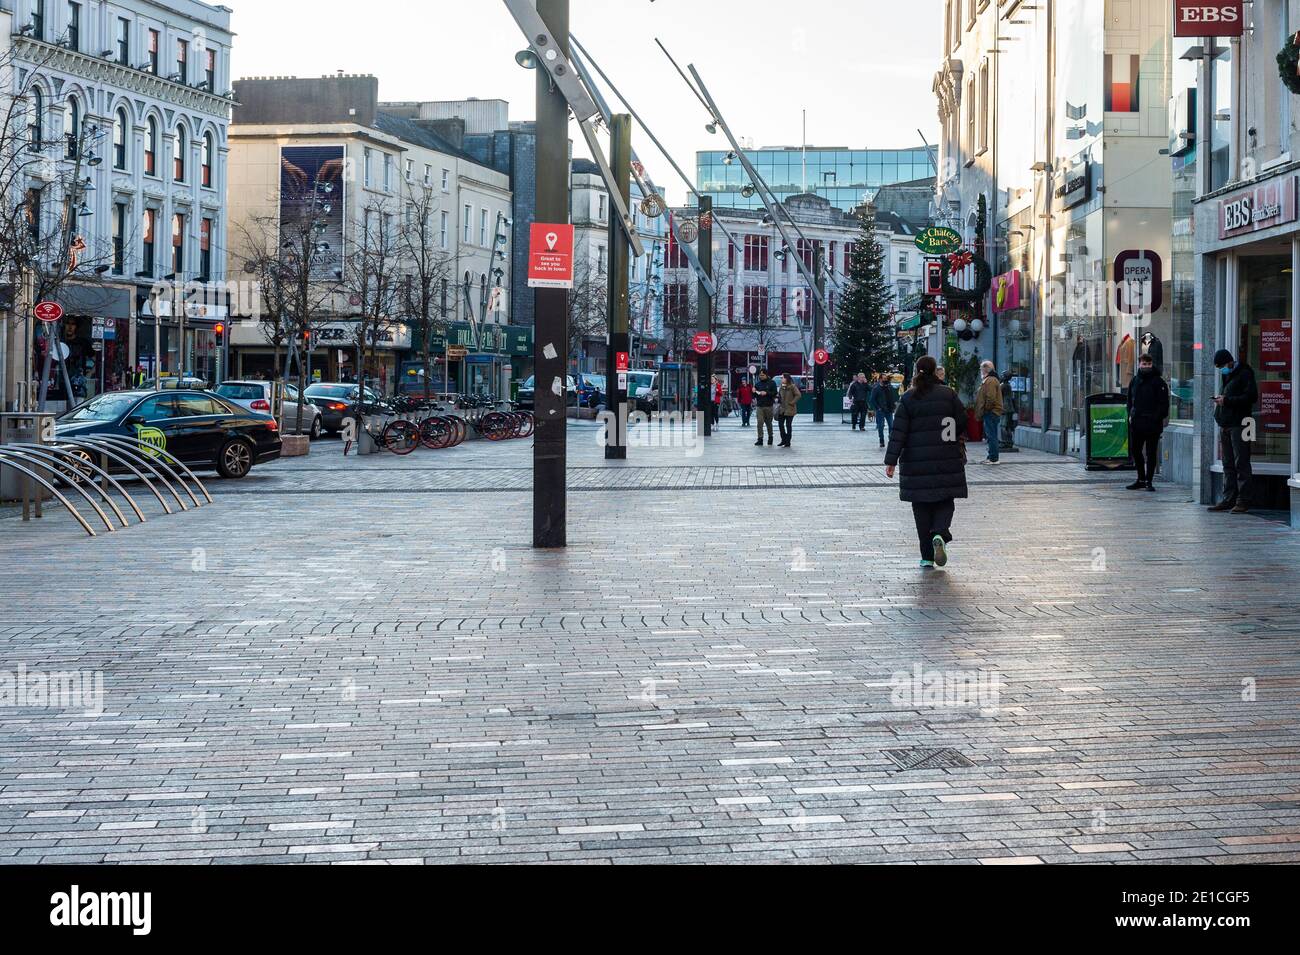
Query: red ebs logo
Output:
(1208,18)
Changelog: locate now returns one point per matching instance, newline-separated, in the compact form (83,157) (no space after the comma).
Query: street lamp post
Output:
(704,386)
(620,343)
(550,356)
(819,335)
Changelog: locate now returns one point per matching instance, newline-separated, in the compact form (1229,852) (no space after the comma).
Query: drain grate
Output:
(923,757)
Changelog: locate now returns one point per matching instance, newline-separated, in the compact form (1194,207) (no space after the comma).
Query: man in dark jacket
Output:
(1148,409)
(883,402)
(764,399)
(928,440)
(1233,413)
(859,393)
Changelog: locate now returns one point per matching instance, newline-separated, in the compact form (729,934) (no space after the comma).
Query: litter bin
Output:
(33,427)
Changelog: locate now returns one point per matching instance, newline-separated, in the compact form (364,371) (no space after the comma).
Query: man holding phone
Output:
(1233,410)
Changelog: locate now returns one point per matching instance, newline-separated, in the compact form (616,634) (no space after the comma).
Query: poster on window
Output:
(1275,406)
(1275,344)
(312,191)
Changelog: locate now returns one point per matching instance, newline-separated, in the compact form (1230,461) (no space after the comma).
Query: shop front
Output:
(179,338)
(1250,271)
(94,343)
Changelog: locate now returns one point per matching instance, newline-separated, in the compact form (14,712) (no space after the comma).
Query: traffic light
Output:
(220,330)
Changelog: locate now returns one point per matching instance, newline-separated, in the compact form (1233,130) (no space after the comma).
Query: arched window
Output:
(119,140)
(151,148)
(38,117)
(207,160)
(182,145)
(72,125)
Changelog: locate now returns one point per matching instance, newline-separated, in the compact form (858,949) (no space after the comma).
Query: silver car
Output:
(259,396)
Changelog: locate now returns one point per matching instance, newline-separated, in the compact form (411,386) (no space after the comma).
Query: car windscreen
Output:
(108,407)
(528,383)
(241,392)
(330,391)
(596,381)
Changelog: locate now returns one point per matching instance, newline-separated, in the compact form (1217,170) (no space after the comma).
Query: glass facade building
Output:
(845,177)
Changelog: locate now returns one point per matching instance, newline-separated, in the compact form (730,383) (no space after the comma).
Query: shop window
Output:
(1264,335)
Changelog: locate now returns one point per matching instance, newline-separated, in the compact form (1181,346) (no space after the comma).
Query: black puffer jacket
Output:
(926,443)
(1240,395)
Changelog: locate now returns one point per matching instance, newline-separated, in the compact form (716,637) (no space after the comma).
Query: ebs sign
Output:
(1208,18)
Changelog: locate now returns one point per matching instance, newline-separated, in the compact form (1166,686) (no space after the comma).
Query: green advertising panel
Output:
(938,240)
(1108,432)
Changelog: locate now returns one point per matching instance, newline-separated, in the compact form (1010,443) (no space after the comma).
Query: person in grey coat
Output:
(927,446)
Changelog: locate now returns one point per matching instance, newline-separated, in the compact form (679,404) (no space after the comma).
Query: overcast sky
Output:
(861,68)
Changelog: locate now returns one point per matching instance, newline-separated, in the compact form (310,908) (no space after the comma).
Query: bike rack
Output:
(12,460)
(68,461)
(7,456)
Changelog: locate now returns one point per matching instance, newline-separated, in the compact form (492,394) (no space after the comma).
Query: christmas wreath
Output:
(983,277)
(1288,63)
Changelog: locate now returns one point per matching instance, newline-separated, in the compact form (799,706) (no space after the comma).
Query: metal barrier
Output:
(69,462)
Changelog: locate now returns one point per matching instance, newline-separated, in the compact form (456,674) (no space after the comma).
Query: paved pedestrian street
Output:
(737,659)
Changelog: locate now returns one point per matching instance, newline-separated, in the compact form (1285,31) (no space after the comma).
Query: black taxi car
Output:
(201,429)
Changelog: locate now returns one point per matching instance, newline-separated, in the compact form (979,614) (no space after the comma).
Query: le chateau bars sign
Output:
(1208,18)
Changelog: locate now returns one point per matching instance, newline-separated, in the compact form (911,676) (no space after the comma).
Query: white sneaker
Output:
(991,461)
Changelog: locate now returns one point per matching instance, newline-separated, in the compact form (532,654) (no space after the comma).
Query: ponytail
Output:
(925,375)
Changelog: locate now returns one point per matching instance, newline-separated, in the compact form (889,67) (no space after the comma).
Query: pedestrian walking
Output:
(883,403)
(716,391)
(1148,410)
(988,410)
(765,393)
(1234,408)
(927,448)
(859,394)
(745,398)
(788,406)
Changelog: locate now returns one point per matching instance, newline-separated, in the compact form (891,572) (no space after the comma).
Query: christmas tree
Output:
(863,337)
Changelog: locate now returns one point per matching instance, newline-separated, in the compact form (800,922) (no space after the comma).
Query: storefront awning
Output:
(95,301)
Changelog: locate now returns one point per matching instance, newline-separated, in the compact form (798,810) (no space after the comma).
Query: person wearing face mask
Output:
(1233,406)
(1148,411)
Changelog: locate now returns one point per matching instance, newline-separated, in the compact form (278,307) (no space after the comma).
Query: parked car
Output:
(197,427)
(334,399)
(527,389)
(591,390)
(259,396)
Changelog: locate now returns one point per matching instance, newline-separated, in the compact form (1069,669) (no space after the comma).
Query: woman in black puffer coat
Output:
(929,441)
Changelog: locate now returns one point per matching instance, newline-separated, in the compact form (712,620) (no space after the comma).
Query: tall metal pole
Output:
(705,323)
(620,341)
(551,344)
(819,335)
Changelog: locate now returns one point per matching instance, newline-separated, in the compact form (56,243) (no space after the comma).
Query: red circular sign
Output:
(821,356)
(48,311)
(703,343)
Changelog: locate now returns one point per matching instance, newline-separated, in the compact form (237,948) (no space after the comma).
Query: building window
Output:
(600,208)
(178,244)
(74,26)
(971,106)
(119,140)
(982,130)
(482,227)
(148,235)
(155,41)
(806,250)
(72,126)
(755,304)
(210,69)
(756,249)
(1122,82)
(178,162)
(205,250)
(38,19)
(34,215)
(674,257)
(428,175)
(119,237)
(849,249)
(902,263)
(183,61)
(600,259)
(123,41)
(151,147)
(443,220)
(410,169)
(466,227)
(446,180)
(388,173)
(367,163)
(36,129)
(206,160)
(677,303)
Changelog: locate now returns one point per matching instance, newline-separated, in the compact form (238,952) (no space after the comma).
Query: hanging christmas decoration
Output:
(1288,63)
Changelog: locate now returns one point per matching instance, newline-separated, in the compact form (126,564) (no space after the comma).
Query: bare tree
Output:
(375,278)
(588,307)
(425,273)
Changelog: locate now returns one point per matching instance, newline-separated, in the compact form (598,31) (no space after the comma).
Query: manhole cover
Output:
(920,757)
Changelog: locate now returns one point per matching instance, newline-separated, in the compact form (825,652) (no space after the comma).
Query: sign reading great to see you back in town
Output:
(938,240)
(1208,18)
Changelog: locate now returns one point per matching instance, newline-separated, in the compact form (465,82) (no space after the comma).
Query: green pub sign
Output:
(938,240)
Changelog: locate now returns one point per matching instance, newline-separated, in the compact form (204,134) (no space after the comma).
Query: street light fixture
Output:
(527,59)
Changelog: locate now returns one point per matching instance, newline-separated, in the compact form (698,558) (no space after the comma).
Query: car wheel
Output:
(235,459)
(315,428)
